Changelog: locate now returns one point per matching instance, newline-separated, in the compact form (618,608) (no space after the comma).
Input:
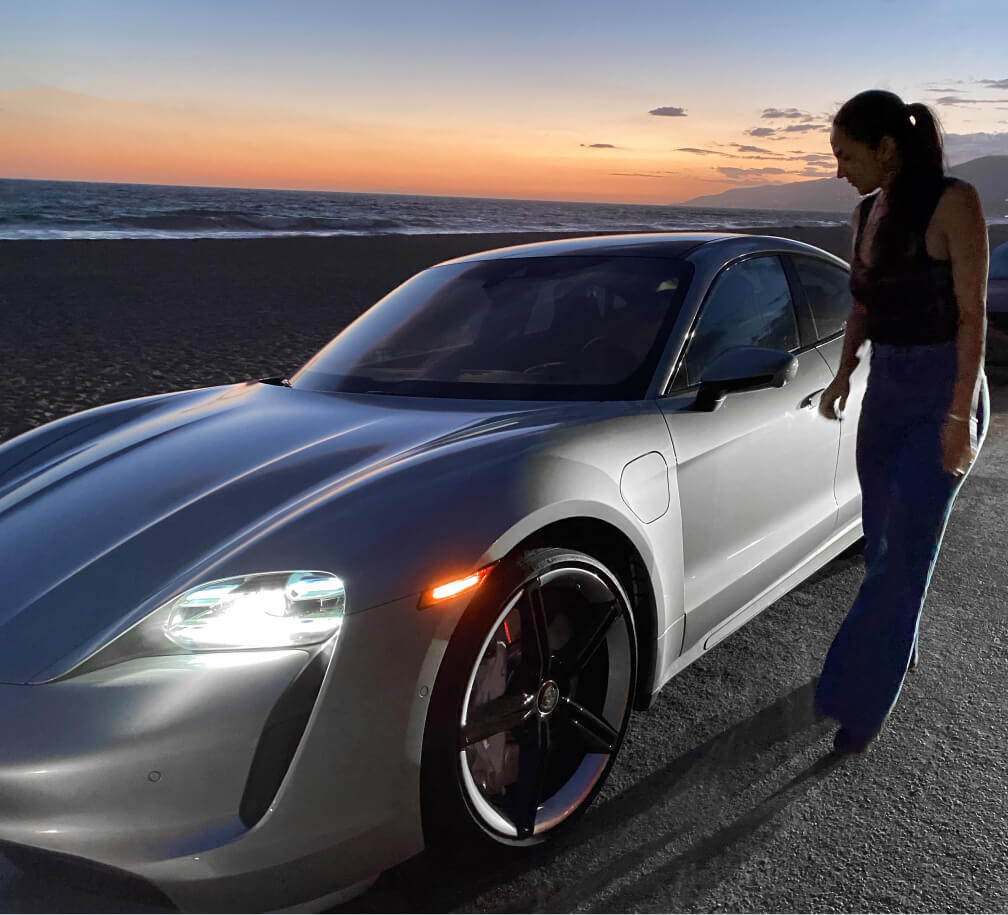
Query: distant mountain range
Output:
(989,175)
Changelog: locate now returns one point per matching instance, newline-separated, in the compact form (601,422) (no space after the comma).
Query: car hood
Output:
(104,514)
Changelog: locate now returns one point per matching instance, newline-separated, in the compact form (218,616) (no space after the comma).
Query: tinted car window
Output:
(749,305)
(584,327)
(999,263)
(827,289)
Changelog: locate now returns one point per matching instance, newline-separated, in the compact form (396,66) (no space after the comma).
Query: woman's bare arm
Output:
(856,322)
(963,221)
(854,336)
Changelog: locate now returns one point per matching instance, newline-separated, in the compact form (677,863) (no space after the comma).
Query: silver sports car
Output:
(997,306)
(260,642)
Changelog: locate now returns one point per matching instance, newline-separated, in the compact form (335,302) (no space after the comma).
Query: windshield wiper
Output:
(276,379)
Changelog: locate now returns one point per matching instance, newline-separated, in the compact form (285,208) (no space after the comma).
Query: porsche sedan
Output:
(260,642)
(997,306)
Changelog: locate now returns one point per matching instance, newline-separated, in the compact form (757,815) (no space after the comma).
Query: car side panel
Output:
(756,485)
(846,486)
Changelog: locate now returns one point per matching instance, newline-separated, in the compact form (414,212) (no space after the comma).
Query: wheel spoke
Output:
(593,634)
(594,734)
(535,634)
(496,716)
(533,763)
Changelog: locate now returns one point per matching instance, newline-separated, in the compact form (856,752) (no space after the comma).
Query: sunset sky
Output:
(651,102)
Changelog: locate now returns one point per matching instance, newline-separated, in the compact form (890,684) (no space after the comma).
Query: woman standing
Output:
(918,282)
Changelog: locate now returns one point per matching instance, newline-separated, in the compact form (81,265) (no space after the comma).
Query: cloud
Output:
(992,83)
(704,152)
(599,146)
(804,128)
(784,113)
(744,152)
(762,132)
(731,172)
(936,89)
(813,172)
(640,174)
(821,159)
(951,100)
(817,160)
(668,112)
(961,147)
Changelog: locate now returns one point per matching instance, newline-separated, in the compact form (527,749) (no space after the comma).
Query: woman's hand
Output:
(839,389)
(957,447)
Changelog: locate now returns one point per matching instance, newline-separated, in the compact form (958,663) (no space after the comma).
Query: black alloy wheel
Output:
(532,700)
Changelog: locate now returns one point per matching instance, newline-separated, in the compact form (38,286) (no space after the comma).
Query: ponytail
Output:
(924,152)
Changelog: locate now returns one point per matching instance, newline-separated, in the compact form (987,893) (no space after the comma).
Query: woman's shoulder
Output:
(958,193)
(958,205)
(958,230)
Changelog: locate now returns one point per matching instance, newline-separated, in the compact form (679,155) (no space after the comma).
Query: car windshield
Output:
(999,263)
(517,328)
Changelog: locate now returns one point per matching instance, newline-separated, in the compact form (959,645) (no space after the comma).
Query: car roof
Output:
(650,244)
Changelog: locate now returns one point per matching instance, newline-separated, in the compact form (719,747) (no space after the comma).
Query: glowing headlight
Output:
(267,610)
(262,610)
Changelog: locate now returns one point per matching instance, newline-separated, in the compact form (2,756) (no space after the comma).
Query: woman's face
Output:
(858,163)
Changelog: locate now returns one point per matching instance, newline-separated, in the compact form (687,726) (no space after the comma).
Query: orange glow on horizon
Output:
(51,134)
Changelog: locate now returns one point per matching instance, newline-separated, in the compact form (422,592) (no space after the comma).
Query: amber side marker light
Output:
(454,588)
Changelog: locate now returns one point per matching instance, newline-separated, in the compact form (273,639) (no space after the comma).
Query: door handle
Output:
(809,401)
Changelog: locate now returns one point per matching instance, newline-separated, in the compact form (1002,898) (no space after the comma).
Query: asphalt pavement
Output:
(726,797)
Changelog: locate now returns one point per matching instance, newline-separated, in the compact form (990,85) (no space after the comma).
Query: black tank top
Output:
(909,301)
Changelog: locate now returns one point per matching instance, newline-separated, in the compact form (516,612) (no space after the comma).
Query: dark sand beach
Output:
(88,322)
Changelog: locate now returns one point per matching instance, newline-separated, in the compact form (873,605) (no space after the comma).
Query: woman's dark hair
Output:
(870,116)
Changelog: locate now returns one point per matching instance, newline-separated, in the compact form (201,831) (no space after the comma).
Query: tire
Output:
(522,732)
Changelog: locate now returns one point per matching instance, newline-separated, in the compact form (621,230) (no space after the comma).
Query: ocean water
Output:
(76,209)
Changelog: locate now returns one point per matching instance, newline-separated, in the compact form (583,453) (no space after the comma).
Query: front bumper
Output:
(142,767)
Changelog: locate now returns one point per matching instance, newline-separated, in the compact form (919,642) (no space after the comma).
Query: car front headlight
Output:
(269,610)
(262,610)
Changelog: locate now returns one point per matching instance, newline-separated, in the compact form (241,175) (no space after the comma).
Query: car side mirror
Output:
(743,368)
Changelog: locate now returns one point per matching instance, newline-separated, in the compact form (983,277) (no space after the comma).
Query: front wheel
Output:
(531,702)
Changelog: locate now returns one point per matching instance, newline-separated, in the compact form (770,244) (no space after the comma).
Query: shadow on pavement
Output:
(691,873)
(719,768)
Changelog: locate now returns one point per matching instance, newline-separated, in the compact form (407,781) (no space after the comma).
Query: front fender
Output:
(444,516)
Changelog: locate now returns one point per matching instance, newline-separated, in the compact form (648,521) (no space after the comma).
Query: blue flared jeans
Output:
(906,500)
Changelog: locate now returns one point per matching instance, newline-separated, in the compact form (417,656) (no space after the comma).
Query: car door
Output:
(755,476)
(826,288)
